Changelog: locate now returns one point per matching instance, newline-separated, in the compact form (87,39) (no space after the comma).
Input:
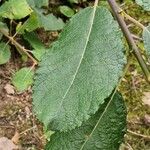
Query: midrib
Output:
(88,36)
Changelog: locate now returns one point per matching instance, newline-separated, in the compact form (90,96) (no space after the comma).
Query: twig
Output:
(124,14)
(27,130)
(139,135)
(15,43)
(116,10)
(136,37)
(129,146)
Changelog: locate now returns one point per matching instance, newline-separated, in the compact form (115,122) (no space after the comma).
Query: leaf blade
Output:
(11,9)
(82,68)
(145,4)
(146,39)
(23,78)
(105,130)
(4,53)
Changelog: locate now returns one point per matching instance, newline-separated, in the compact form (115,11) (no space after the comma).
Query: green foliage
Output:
(15,9)
(39,48)
(37,20)
(67,11)
(38,3)
(4,53)
(76,75)
(146,38)
(80,70)
(4,27)
(23,78)
(104,131)
(144,3)
(74,1)
(49,22)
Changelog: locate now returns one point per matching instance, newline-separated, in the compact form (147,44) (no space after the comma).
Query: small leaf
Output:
(23,78)
(31,24)
(144,3)
(38,3)
(37,20)
(103,131)
(39,48)
(146,39)
(80,70)
(3,27)
(74,1)
(4,53)
(67,11)
(15,9)
(49,22)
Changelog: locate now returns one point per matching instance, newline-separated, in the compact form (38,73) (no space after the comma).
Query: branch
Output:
(116,10)
(124,14)
(16,44)
(139,135)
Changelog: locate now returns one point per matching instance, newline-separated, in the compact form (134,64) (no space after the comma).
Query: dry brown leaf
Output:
(9,89)
(6,144)
(146,98)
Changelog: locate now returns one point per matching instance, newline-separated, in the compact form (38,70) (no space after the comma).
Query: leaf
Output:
(144,3)
(23,78)
(38,20)
(67,11)
(39,48)
(30,25)
(103,131)
(49,22)
(4,53)
(80,70)
(3,27)
(15,9)
(146,39)
(74,1)
(38,3)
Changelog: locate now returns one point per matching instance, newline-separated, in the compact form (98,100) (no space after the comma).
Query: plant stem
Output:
(124,14)
(116,10)
(139,135)
(16,44)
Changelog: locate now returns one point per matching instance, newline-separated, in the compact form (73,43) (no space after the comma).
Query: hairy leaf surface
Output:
(146,39)
(103,131)
(144,3)
(80,70)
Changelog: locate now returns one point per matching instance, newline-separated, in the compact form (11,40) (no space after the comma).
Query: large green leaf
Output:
(144,3)
(80,70)
(103,131)
(146,39)
(15,9)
